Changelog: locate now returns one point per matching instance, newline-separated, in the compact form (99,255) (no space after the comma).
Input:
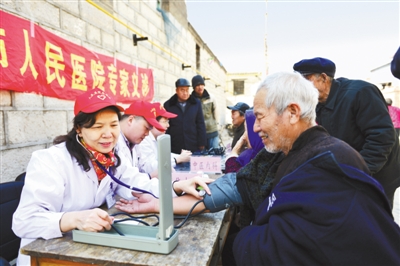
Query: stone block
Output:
(125,11)
(107,40)
(147,55)
(170,80)
(127,46)
(5,98)
(70,6)
(143,22)
(162,38)
(93,34)
(10,5)
(27,100)
(153,30)
(172,66)
(158,73)
(94,16)
(123,29)
(32,126)
(117,42)
(15,161)
(97,49)
(70,118)
(41,11)
(65,36)
(162,62)
(58,104)
(73,24)
(135,5)
(151,14)
(165,92)
(124,58)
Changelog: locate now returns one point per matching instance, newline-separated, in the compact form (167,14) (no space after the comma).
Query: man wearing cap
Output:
(139,118)
(355,112)
(148,160)
(395,64)
(238,112)
(209,107)
(187,130)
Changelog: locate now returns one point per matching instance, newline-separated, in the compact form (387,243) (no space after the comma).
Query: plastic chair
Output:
(21,177)
(10,193)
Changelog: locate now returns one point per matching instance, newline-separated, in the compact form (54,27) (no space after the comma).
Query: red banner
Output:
(34,60)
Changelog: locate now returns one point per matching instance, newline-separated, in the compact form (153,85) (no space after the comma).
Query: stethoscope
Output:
(119,182)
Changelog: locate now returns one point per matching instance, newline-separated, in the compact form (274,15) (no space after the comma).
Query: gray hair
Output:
(284,88)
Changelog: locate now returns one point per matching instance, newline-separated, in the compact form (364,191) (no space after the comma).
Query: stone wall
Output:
(30,122)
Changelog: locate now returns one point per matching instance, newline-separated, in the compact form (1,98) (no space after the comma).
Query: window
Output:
(238,87)
(197,57)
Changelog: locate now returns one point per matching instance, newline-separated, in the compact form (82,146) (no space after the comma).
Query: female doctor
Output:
(65,184)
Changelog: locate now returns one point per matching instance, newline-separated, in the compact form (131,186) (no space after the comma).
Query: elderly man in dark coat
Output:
(355,112)
(187,130)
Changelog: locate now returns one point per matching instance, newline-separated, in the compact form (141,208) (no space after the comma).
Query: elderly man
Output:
(187,130)
(323,208)
(355,112)
(238,111)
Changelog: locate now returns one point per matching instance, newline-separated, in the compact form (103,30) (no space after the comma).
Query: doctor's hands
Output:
(95,220)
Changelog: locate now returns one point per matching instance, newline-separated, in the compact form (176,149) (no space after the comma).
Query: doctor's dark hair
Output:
(76,150)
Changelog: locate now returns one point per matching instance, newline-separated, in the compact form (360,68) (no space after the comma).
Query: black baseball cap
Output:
(240,106)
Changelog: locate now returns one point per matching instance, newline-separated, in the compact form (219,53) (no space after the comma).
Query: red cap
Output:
(147,110)
(160,111)
(94,100)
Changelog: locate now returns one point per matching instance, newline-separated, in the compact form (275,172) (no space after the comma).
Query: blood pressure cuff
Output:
(224,193)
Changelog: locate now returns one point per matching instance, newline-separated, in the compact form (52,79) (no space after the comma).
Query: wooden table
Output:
(200,243)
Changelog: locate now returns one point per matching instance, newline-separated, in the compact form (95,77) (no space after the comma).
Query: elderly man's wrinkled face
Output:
(237,118)
(320,82)
(271,127)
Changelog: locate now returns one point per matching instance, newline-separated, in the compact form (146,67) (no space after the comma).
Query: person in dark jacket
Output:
(317,206)
(238,111)
(209,107)
(355,111)
(187,130)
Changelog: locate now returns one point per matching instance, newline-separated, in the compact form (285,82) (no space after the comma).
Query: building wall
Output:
(30,122)
(251,80)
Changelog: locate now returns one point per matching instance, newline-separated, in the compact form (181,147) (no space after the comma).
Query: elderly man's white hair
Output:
(284,88)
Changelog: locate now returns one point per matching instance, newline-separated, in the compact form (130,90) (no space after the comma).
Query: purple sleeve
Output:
(232,165)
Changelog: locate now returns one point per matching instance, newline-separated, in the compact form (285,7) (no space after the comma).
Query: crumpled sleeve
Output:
(39,210)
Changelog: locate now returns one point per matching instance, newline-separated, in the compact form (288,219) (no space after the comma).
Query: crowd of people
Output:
(313,168)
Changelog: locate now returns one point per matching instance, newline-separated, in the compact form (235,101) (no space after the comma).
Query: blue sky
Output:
(357,35)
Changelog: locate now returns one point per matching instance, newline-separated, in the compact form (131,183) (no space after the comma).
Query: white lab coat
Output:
(148,159)
(55,184)
(132,155)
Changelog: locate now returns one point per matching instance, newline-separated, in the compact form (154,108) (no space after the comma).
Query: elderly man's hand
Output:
(144,203)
